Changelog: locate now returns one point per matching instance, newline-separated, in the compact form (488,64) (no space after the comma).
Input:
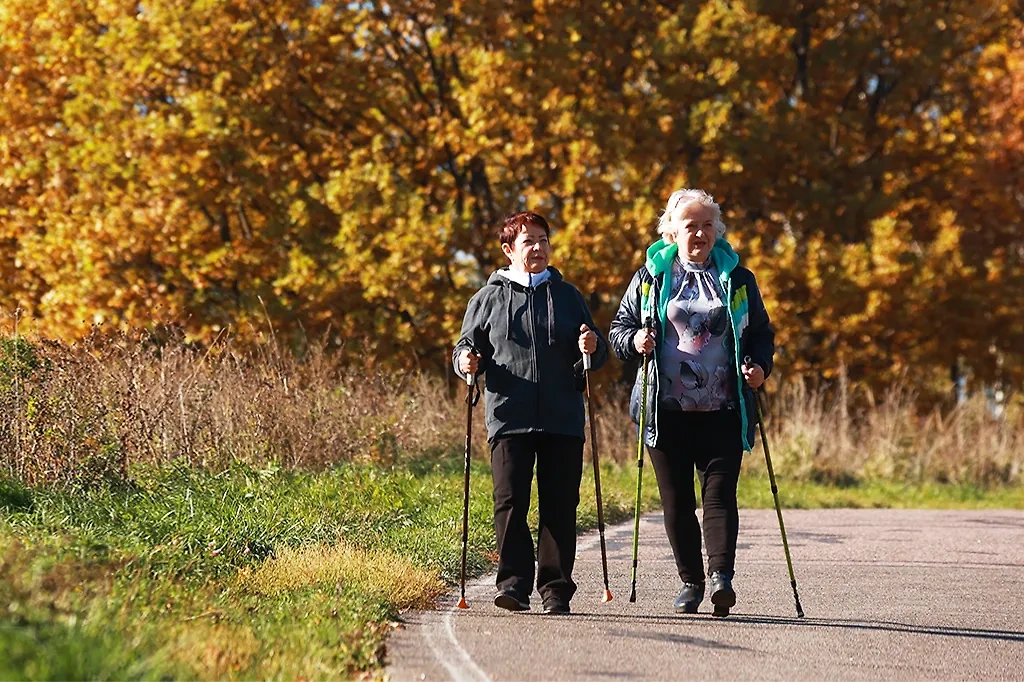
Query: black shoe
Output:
(689,598)
(722,594)
(510,601)
(556,607)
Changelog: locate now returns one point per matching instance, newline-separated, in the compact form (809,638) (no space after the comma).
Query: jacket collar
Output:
(660,255)
(503,278)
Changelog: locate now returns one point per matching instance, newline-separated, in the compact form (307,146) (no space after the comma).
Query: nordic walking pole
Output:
(470,402)
(646,290)
(775,493)
(607,597)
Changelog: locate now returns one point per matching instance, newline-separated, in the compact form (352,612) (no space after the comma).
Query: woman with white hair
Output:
(702,316)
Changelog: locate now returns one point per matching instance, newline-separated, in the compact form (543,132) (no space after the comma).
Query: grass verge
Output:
(270,574)
(251,573)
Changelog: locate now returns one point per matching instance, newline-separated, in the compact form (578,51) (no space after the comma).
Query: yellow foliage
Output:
(346,165)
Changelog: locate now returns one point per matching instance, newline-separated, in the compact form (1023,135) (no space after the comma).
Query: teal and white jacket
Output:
(749,324)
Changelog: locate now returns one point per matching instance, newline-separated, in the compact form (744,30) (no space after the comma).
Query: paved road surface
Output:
(889,595)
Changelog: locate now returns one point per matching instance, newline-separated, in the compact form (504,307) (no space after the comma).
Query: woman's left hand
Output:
(588,340)
(754,375)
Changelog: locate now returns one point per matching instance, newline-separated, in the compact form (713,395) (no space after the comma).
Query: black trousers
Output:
(710,442)
(559,462)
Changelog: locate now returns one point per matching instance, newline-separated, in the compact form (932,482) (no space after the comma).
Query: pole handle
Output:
(586,361)
(471,378)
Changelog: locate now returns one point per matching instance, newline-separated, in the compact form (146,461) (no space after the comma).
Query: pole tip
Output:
(607,597)
(462,603)
(632,596)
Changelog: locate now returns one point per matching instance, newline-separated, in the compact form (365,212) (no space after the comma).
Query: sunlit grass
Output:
(383,575)
(271,574)
(249,573)
(278,520)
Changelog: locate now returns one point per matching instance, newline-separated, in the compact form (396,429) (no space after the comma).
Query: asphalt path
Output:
(888,595)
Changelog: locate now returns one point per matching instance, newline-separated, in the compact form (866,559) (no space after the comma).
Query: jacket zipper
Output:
(655,371)
(533,341)
(741,401)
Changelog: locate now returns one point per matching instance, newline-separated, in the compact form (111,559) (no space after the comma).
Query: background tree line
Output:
(340,167)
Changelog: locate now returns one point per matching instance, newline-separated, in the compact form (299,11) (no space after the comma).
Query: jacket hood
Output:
(660,255)
(497,279)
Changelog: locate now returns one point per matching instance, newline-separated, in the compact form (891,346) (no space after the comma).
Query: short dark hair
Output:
(515,222)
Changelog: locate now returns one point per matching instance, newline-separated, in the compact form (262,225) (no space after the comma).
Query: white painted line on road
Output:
(444,643)
(475,671)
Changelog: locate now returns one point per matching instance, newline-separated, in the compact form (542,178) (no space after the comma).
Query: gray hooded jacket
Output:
(527,338)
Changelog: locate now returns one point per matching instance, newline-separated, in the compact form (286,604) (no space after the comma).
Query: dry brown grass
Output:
(379,574)
(843,435)
(833,436)
(91,411)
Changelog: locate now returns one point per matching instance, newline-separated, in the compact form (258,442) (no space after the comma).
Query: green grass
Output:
(184,573)
(755,492)
(267,573)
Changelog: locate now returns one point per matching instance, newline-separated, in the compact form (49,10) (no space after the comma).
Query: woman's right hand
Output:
(643,341)
(469,362)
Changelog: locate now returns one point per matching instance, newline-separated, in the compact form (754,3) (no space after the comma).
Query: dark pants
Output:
(711,442)
(559,470)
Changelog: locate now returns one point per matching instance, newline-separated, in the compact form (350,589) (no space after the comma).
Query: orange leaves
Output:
(348,164)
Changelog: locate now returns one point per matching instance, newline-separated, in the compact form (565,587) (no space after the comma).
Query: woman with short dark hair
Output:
(526,331)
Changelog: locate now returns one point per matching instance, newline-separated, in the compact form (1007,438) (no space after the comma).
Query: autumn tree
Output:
(339,168)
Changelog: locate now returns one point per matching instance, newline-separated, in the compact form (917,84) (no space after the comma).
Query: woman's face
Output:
(530,251)
(695,231)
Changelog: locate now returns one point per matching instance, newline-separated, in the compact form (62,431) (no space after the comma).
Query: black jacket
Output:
(749,321)
(528,340)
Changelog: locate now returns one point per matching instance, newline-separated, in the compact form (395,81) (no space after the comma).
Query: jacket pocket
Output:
(513,399)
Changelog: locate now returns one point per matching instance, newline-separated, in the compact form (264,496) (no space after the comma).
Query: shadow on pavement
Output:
(676,639)
(736,618)
(881,625)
